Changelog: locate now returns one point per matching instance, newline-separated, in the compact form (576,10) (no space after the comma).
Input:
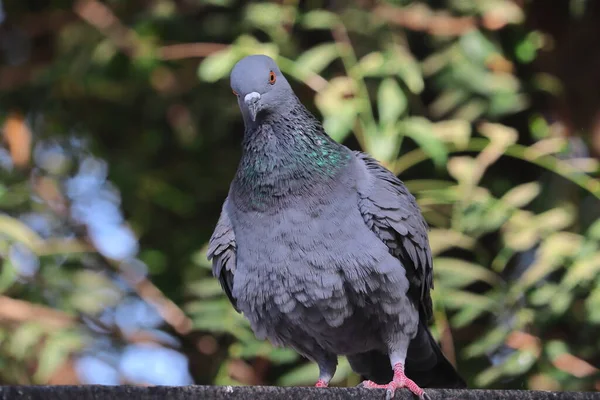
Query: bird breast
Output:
(313,264)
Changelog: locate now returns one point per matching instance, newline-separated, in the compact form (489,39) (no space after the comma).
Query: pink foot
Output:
(321,383)
(400,381)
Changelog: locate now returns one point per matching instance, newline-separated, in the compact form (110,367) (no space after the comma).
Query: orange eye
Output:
(234,92)
(272,77)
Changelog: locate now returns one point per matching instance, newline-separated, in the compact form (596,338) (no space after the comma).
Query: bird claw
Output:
(400,381)
(390,388)
(371,385)
(390,393)
(321,384)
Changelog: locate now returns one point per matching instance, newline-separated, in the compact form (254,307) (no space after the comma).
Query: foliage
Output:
(449,97)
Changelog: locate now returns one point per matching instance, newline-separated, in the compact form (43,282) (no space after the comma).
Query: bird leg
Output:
(399,381)
(327,366)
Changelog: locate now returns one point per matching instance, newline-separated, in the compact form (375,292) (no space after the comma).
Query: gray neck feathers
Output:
(286,157)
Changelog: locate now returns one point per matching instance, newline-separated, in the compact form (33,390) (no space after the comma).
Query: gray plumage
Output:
(322,248)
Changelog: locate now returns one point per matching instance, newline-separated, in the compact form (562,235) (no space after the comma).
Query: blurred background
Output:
(120,136)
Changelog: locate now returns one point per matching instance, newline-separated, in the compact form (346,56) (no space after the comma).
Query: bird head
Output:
(260,87)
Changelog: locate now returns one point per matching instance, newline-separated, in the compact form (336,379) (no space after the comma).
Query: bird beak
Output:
(252,102)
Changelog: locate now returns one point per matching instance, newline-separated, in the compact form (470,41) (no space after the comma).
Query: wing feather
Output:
(392,213)
(222,252)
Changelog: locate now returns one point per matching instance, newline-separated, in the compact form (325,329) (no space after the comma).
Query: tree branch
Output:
(13,310)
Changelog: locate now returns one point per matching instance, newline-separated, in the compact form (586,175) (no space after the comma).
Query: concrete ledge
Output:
(262,393)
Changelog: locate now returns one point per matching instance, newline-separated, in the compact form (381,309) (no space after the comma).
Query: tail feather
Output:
(427,365)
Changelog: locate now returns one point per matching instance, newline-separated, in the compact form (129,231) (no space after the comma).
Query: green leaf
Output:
(447,101)
(511,13)
(247,45)
(444,239)
(456,132)
(543,295)
(594,230)
(592,306)
(463,169)
(319,19)
(438,61)
(408,69)
(396,61)
(560,302)
(266,15)
(494,214)
(17,195)
(343,371)
(477,47)
(93,292)
(549,257)
(219,316)
(520,232)
(302,375)
(340,124)
(218,65)
(338,107)
(54,353)
(372,64)
(317,58)
(384,147)
(488,376)
(500,136)
(8,276)
(507,103)
(215,306)
(456,299)
(583,271)
(339,93)
(421,131)
(281,355)
(486,343)
(464,271)
(466,315)
(199,258)
(250,349)
(521,195)
(556,348)
(519,363)
(220,3)
(442,196)
(471,110)
(391,101)
(259,348)
(420,185)
(16,230)
(24,338)
(205,288)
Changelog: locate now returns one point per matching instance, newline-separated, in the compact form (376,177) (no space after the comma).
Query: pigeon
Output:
(323,249)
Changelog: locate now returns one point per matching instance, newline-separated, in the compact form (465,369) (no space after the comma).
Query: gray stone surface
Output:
(261,393)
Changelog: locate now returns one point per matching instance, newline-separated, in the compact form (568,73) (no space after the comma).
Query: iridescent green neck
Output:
(288,155)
